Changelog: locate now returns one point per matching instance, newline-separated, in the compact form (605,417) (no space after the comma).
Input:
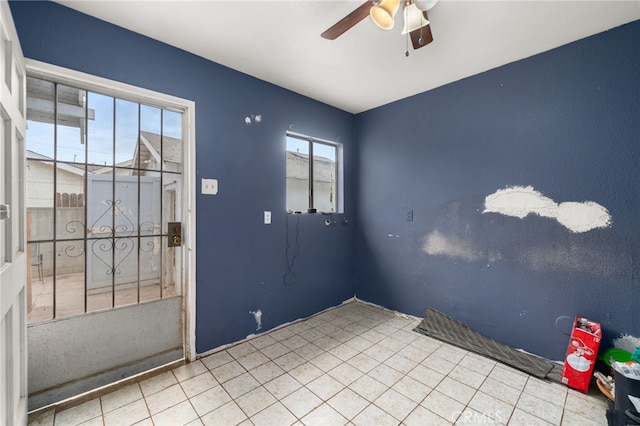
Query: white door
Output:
(13,351)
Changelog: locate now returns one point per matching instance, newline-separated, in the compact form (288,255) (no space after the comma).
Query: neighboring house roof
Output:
(148,149)
(108,169)
(305,157)
(31,155)
(171,148)
(63,166)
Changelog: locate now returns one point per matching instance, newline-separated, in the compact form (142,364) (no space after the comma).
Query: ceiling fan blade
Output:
(348,21)
(423,34)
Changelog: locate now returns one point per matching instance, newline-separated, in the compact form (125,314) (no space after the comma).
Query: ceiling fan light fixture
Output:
(425,5)
(413,19)
(384,12)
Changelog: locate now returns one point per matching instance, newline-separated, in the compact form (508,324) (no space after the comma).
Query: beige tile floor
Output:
(355,364)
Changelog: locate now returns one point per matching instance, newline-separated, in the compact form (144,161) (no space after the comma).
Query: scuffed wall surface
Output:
(524,189)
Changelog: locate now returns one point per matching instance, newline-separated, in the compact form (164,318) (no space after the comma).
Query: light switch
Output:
(210,186)
(267,217)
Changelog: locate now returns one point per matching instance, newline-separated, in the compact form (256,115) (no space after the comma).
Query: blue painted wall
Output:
(566,122)
(240,261)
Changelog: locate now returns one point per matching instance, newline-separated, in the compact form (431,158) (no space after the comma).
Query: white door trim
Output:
(149,97)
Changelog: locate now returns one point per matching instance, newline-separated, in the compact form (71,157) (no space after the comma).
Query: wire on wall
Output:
(289,279)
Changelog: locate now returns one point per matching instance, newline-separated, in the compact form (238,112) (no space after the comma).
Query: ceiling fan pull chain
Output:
(406,53)
(406,40)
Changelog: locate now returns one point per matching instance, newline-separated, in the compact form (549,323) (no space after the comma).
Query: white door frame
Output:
(110,87)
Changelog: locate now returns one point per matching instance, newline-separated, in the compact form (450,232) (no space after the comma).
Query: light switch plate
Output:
(210,186)
(267,217)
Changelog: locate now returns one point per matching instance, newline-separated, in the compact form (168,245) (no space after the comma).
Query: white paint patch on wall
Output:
(257,315)
(521,201)
(583,217)
(437,243)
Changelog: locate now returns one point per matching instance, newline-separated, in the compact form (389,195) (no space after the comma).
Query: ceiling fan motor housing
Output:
(425,5)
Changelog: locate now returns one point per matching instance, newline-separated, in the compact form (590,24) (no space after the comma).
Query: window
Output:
(313,175)
(103,178)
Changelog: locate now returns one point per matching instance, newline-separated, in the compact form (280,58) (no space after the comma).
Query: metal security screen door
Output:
(104,182)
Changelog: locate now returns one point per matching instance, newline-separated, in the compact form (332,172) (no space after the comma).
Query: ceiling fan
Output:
(383,12)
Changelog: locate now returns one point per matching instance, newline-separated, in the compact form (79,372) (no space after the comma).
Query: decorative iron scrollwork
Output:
(124,245)
(120,237)
(70,251)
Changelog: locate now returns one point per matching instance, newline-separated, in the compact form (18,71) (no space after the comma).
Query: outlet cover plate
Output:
(210,186)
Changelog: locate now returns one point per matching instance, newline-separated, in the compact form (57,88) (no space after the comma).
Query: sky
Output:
(102,132)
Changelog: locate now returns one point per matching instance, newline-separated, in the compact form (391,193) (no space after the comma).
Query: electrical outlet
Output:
(267,217)
(409,215)
(210,186)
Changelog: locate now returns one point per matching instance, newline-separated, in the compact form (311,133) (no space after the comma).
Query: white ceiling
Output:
(279,41)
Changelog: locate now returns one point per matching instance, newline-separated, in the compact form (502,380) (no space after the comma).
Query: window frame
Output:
(339,172)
